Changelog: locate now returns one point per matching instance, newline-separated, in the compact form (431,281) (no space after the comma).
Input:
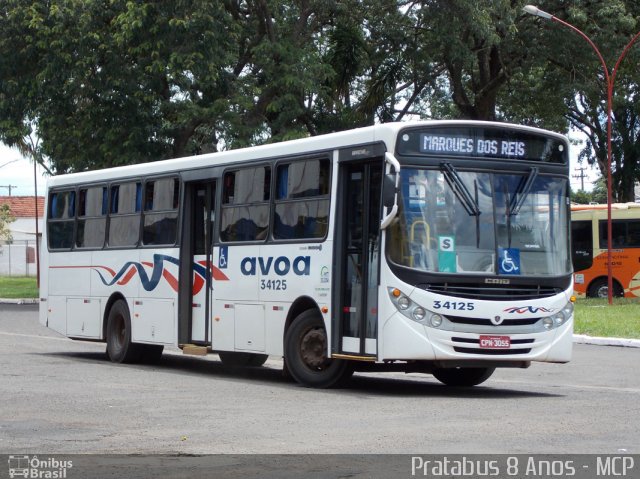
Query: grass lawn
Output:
(594,317)
(18,287)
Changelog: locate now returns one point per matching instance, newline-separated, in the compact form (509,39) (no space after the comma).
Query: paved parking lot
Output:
(63,396)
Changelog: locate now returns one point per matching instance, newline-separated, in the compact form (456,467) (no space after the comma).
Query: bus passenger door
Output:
(357,255)
(198,243)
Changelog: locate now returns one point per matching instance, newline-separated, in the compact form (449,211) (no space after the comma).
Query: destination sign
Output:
(482,142)
(449,144)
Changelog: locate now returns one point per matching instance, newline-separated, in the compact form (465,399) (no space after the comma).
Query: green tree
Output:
(115,82)
(481,44)
(574,73)
(599,192)
(581,197)
(5,219)
(112,82)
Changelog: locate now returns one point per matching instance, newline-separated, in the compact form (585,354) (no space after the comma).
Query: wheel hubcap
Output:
(313,348)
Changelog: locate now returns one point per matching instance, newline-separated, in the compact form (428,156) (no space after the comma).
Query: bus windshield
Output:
(475,222)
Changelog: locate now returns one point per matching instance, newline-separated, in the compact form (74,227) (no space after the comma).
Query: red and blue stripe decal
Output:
(131,269)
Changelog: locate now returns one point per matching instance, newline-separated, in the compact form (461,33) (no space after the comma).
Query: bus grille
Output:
(492,352)
(487,322)
(491,292)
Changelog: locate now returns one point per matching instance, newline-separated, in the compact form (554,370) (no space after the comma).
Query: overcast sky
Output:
(18,172)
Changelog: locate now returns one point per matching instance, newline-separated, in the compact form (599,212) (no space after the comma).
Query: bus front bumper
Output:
(423,343)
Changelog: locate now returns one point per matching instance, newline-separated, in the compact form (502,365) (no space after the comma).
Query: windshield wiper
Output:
(524,187)
(458,187)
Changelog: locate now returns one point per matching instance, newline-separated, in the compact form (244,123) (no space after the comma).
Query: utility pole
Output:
(9,187)
(582,176)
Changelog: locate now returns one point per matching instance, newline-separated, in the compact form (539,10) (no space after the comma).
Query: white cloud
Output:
(17,172)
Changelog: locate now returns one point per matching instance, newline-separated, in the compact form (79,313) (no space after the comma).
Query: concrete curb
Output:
(620,342)
(577,338)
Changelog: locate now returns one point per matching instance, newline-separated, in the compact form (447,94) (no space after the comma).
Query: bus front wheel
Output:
(463,377)
(600,289)
(306,353)
(120,348)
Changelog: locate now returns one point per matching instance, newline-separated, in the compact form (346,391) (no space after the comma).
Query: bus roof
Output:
(386,132)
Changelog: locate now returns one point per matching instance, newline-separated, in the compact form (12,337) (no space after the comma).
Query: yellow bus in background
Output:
(589,249)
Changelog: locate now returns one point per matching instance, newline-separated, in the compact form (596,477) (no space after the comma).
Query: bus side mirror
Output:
(389,190)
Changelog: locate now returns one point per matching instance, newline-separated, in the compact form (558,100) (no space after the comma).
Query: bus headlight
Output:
(419,313)
(412,310)
(559,318)
(403,303)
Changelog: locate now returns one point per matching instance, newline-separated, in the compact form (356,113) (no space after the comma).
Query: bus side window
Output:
(633,234)
(302,200)
(624,233)
(245,204)
(124,222)
(61,219)
(161,211)
(92,217)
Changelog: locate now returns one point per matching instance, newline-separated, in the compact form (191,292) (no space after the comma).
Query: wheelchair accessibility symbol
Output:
(509,262)
(222,260)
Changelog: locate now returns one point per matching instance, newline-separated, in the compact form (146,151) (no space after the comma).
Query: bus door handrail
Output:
(395,164)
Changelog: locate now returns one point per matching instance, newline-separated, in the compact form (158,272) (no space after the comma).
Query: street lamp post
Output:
(610,78)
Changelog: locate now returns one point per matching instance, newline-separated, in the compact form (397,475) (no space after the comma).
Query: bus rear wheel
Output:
(600,289)
(306,353)
(463,377)
(120,348)
(235,359)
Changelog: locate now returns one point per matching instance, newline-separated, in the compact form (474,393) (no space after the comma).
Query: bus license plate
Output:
(495,342)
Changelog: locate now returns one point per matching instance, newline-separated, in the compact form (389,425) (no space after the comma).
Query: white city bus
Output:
(439,247)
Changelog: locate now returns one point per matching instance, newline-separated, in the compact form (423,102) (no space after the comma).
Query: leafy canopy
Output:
(114,82)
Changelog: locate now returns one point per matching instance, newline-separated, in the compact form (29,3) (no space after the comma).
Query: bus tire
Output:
(235,359)
(463,377)
(305,353)
(120,348)
(600,288)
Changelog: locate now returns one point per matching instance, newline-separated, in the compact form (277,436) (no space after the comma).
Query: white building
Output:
(19,257)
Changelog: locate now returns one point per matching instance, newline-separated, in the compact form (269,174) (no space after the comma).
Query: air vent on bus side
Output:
(490,292)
